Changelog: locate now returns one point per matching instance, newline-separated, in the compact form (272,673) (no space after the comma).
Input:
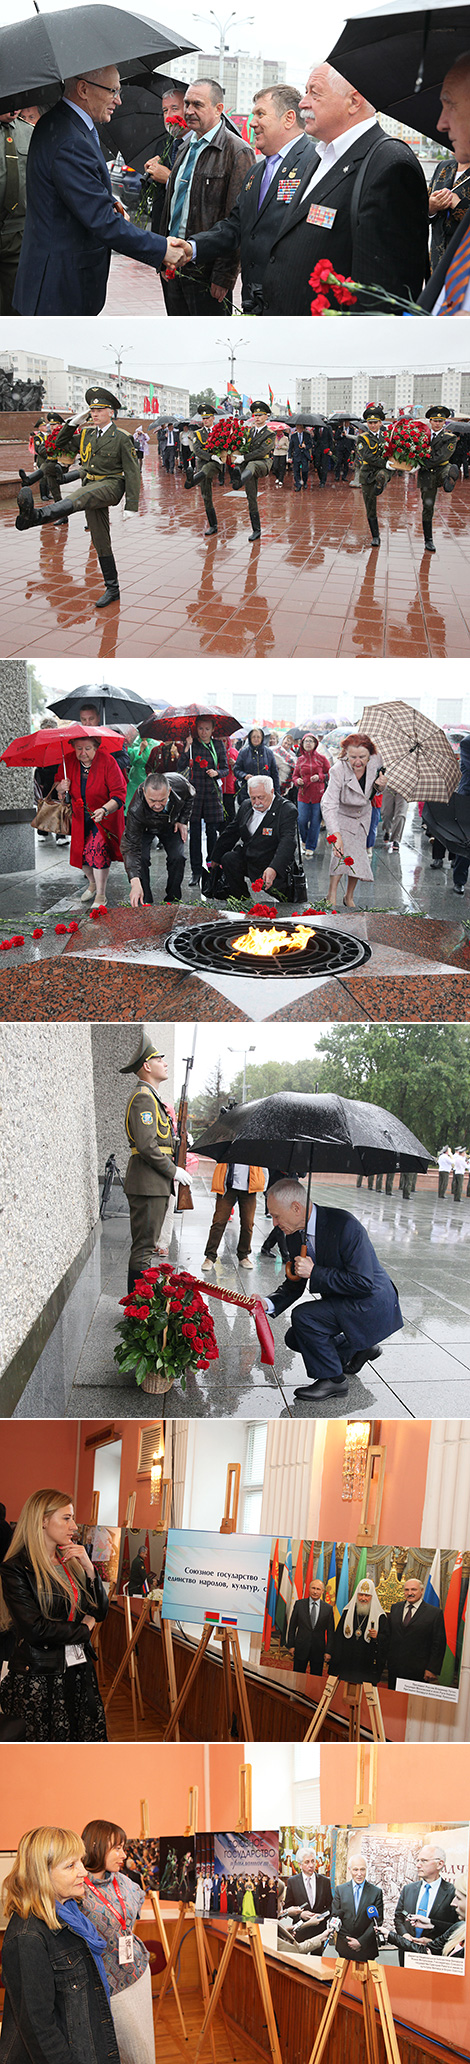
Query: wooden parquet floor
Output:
(231,2046)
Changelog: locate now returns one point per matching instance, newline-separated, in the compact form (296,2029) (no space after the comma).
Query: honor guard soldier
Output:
(371,462)
(151,1169)
(47,471)
(206,470)
(436,471)
(109,469)
(262,444)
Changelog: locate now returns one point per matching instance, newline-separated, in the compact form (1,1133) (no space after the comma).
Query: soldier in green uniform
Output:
(15,137)
(48,470)
(436,471)
(151,1169)
(262,444)
(109,468)
(371,462)
(206,470)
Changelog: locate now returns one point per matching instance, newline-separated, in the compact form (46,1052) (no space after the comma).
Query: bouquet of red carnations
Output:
(406,443)
(333,292)
(167,1330)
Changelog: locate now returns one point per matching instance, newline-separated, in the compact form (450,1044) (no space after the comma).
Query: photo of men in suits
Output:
(311,1629)
(417,1642)
(357,1938)
(426,1907)
(307,1905)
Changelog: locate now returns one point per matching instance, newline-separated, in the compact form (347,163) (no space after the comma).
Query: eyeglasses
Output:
(114,92)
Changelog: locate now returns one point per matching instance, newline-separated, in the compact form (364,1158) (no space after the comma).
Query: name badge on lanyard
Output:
(74,1654)
(322,217)
(287,188)
(126,1949)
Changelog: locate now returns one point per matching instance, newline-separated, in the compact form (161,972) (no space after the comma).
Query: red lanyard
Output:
(76,1594)
(121,1917)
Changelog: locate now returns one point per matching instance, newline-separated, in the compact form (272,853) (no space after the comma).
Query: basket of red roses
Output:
(406,444)
(167,1331)
(226,440)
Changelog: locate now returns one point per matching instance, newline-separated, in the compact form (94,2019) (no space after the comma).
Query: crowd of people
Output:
(322,180)
(249,809)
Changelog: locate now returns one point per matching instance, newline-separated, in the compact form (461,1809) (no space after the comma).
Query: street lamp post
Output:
(243,1051)
(233,20)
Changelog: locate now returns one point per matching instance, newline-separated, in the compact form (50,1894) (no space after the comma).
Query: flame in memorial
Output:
(265,944)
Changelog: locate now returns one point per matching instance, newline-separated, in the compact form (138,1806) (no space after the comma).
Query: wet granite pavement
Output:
(424,1371)
(312,588)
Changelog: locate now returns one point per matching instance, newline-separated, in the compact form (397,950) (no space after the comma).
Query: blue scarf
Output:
(70,1913)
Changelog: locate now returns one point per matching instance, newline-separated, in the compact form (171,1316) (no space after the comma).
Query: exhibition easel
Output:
(353,1696)
(228,1636)
(249,1930)
(189,1921)
(155,1903)
(371,1976)
(128,1660)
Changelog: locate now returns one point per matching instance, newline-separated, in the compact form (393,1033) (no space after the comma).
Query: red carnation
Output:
(331,840)
(38,933)
(258,884)
(348,860)
(18,939)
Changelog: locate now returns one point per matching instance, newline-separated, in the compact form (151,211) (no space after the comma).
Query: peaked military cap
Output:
(438,410)
(374,408)
(97,397)
(145,1052)
(256,406)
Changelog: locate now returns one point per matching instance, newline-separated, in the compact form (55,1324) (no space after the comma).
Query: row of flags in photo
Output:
(246,398)
(286,1585)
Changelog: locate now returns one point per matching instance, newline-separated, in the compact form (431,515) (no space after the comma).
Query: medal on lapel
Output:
(288,187)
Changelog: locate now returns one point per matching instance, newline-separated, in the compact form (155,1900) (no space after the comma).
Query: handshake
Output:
(177,252)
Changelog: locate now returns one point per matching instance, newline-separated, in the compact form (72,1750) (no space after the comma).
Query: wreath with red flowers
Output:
(166,1327)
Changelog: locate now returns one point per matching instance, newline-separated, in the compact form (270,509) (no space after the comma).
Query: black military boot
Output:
(429,546)
(28,479)
(29,516)
(374,531)
(110,577)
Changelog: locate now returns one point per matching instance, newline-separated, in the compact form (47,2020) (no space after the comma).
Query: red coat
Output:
(229,782)
(312,771)
(104,780)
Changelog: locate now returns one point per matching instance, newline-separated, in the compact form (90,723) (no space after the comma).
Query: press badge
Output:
(74,1654)
(286,189)
(322,217)
(126,1949)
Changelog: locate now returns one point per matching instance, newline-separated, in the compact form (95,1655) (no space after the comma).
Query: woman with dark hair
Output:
(112,1902)
(97,791)
(56,1991)
(347,810)
(208,765)
(310,777)
(255,757)
(53,1597)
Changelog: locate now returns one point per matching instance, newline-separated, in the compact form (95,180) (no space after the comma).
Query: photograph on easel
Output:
(367,1615)
(141,1561)
(177,1877)
(237,1875)
(392,1894)
(103,1545)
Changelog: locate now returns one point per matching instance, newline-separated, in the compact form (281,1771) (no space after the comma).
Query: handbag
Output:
(53,816)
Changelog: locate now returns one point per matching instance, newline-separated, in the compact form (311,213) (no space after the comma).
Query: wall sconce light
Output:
(356,1448)
(156,1478)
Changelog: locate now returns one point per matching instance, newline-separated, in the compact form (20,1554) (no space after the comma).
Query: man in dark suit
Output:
(356,1938)
(357,1304)
(417,1638)
(205,180)
(311,1629)
(73,220)
(364,207)
(323,451)
(445,295)
(300,451)
(260,840)
(269,195)
(427,1906)
(307,1904)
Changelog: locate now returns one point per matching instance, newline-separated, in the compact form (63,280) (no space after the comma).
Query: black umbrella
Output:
(308,421)
(399,60)
(302,1133)
(114,705)
(450,823)
(344,416)
(176,722)
(137,128)
(38,54)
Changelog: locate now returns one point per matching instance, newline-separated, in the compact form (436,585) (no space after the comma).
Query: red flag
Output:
(299,1572)
(451,1620)
(308,1572)
(271,1598)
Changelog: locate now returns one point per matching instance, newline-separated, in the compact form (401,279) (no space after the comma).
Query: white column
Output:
(446,1524)
(293,1477)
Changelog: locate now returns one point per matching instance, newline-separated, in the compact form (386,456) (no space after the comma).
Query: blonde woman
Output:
(346,807)
(112,1902)
(56,1992)
(52,1596)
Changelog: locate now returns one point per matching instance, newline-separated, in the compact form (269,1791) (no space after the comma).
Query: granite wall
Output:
(17,845)
(48,1170)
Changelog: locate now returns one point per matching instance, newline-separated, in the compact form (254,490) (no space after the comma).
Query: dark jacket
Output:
(257,759)
(444,224)
(348,1272)
(207,793)
(357,1923)
(56,2010)
(310,1647)
(441,451)
(253,232)
(295,446)
(71,223)
(41,1641)
(142,822)
(274,842)
(356,1660)
(218,175)
(387,247)
(296,1895)
(444,1914)
(437,281)
(450,822)
(420,1646)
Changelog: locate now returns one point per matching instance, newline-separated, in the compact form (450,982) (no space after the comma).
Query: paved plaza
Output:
(312,587)
(423,1371)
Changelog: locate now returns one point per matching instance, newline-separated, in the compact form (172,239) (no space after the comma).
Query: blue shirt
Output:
(198,144)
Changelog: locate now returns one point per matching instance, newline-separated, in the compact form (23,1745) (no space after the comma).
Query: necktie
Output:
(407,1616)
(457,278)
(183,188)
(314,1611)
(423,1904)
(12,178)
(357,1895)
(268,174)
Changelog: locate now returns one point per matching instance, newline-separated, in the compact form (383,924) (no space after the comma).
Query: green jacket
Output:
(139,753)
(150,1170)
(110,456)
(370,449)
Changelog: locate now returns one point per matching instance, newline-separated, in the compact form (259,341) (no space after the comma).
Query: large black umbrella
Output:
(302,1133)
(399,60)
(38,54)
(114,705)
(450,823)
(137,128)
(176,722)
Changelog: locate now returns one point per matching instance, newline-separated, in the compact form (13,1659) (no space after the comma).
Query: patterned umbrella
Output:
(174,723)
(418,759)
